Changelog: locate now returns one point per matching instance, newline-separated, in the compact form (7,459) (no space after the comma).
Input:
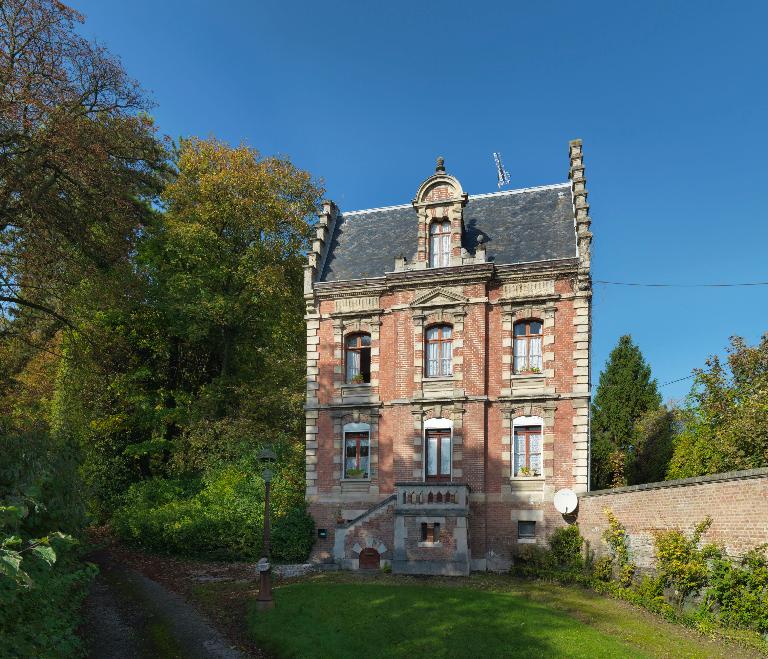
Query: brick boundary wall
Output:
(736,501)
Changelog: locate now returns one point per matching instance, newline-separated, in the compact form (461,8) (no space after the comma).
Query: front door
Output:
(438,455)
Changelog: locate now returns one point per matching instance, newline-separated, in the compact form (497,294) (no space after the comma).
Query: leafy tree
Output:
(624,394)
(202,361)
(79,161)
(652,446)
(725,419)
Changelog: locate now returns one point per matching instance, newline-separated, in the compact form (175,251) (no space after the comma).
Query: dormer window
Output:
(439,244)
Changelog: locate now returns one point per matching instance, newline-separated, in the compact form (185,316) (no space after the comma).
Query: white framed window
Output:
(528,339)
(357,451)
(439,354)
(527,447)
(439,244)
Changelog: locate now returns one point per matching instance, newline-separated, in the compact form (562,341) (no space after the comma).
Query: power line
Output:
(627,283)
(687,377)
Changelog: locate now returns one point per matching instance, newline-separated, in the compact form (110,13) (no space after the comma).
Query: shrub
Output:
(532,557)
(218,516)
(42,580)
(602,570)
(681,564)
(738,592)
(566,544)
(616,537)
(293,536)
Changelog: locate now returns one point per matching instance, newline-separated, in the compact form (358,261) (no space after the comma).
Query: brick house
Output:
(448,347)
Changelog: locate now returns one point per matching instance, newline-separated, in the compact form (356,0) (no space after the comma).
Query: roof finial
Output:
(440,169)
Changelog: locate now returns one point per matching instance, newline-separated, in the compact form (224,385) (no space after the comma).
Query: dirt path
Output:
(130,616)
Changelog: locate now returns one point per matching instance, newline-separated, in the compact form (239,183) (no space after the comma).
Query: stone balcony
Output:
(442,498)
(430,534)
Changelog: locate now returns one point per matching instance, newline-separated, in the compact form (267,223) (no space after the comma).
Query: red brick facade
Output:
(478,404)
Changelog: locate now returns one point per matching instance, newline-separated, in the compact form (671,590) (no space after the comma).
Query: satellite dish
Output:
(566,501)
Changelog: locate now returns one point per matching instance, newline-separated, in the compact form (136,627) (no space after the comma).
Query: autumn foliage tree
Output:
(725,419)
(79,160)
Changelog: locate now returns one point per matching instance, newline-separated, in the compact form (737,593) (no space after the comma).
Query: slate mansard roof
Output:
(517,226)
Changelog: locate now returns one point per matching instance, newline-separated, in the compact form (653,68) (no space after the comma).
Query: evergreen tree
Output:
(625,393)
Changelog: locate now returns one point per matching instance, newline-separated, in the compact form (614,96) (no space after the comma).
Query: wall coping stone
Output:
(684,482)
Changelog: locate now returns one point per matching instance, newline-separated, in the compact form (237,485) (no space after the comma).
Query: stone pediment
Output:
(439,297)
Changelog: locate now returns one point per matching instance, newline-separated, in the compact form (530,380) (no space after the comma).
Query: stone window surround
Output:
(343,327)
(356,427)
(513,312)
(526,421)
(342,420)
(546,414)
(422,320)
(437,417)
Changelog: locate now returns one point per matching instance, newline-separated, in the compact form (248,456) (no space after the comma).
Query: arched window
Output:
(439,355)
(528,346)
(358,358)
(439,244)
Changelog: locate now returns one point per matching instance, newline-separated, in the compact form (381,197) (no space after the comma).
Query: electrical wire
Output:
(687,377)
(627,283)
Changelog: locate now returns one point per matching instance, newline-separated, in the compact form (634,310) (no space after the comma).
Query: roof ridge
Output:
(551,186)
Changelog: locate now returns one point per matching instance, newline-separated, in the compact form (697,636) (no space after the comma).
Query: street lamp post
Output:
(264,599)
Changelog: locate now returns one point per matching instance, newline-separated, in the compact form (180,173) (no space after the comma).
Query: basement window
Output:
(430,533)
(526,530)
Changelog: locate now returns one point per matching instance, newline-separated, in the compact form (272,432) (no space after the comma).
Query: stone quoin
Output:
(448,387)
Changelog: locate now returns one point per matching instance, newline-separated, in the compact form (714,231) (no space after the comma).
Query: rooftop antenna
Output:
(501,173)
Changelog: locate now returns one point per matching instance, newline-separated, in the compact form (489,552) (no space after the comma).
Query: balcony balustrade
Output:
(445,496)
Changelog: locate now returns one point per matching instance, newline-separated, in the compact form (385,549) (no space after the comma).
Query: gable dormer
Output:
(439,204)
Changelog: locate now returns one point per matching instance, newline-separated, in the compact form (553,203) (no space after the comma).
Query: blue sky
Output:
(670,99)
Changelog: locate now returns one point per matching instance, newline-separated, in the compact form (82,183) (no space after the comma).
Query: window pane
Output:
(535,327)
(366,339)
(447,358)
(445,456)
(434,227)
(353,364)
(447,331)
(432,360)
(521,361)
(365,364)
(432,333)
(519,329)
(534,441)
(535,359)
(446,250)
(431,456)
(526,529)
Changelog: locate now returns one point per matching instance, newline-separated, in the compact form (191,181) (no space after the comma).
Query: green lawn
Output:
(335,616)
